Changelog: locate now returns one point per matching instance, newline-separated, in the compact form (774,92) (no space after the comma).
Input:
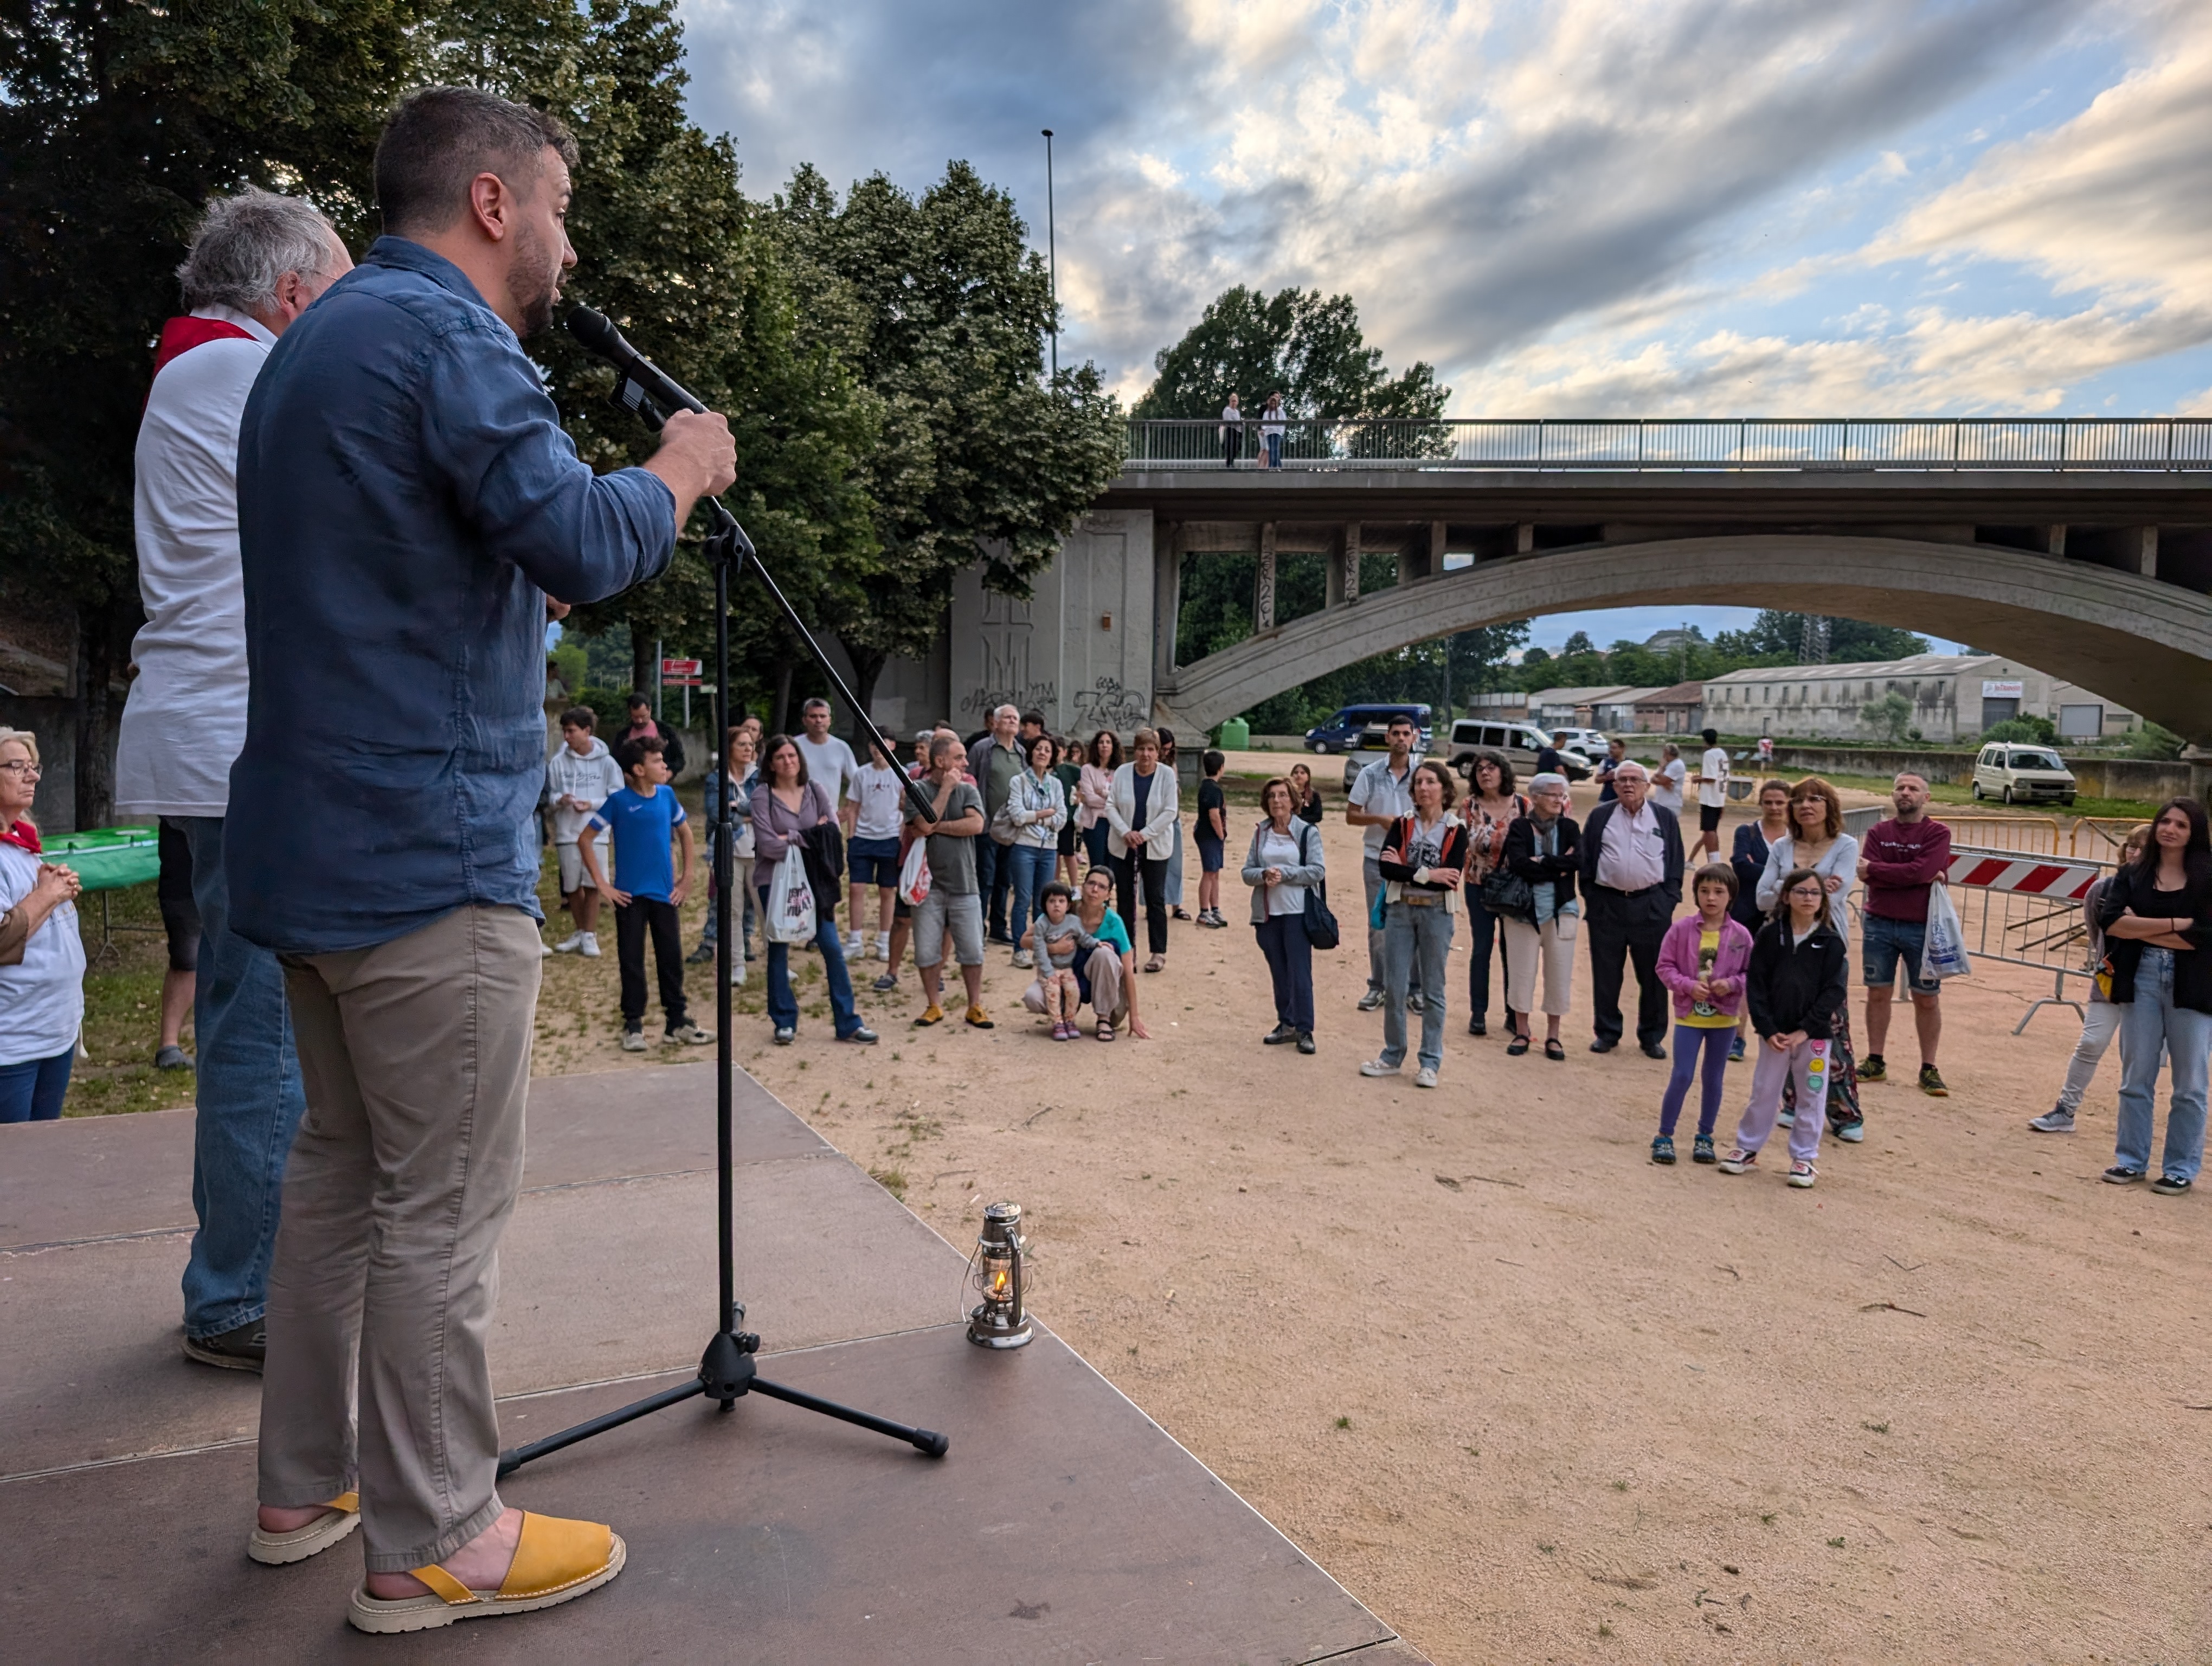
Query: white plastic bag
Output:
(914,875)
(1943,954)
(790,902)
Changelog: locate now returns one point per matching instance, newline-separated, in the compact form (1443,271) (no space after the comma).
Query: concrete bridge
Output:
(2084,549)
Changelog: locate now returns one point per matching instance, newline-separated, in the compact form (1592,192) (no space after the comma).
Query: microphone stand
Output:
(727,1372)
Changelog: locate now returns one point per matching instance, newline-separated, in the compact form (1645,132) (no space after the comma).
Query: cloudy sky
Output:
(1569,207)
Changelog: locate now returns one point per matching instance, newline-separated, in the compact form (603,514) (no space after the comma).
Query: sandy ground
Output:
(1531,1397)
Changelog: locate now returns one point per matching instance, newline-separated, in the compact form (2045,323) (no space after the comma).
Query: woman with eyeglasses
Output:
(41,953)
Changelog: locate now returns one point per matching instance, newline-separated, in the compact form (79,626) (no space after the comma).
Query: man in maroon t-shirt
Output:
(1899,859)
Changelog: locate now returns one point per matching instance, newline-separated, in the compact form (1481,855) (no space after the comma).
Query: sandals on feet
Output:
(1662,1149)
(339,1517)
(556,1561)
(1555,1051)
(1105,1029)
(1158,962)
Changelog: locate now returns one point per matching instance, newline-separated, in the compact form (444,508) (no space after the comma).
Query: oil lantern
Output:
(999,1320)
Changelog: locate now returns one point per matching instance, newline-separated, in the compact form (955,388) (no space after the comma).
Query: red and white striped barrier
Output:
(2062,882)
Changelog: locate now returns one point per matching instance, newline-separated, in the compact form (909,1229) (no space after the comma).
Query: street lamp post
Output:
(1051,254)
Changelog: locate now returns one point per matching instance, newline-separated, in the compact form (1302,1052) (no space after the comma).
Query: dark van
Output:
(1342,732)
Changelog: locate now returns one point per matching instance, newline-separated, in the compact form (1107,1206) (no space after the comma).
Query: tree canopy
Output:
(880,360)
(1307,346)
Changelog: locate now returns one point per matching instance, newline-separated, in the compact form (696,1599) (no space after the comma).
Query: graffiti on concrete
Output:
(1108,705)
(980,701)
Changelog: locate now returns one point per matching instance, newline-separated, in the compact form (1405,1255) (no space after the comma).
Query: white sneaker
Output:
(570,943)
(544,950)
(1376,1067)
(855,946)
(1022,959)
(1424,1077)
(737,974)
(883,945)
(589,945)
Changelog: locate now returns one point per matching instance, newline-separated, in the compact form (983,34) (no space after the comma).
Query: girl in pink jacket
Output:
(1702,960)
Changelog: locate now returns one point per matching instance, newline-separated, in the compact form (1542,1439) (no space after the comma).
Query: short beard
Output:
(533,283)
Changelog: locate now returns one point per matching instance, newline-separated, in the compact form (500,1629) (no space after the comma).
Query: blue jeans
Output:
(32,1091)
(249,1098)
(1884,941)
(782,1005)
(1289,951)
(1032,873)
(2149,1022)
(1415,937)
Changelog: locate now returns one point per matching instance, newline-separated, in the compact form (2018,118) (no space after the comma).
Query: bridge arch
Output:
(2137,641)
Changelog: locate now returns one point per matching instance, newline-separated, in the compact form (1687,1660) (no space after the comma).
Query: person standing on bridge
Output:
(1632,875)
(1272,424)
(2157,916)
(1903,857)
(1231,433)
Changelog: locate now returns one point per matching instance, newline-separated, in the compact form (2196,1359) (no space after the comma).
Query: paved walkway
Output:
(1064,1525)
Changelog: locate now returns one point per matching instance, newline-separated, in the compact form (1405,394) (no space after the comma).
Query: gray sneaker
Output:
(242,1348)
(1370,1000)
(885,984)
(2057,1120)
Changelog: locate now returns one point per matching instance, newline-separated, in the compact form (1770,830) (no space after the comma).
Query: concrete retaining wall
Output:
(2147,779)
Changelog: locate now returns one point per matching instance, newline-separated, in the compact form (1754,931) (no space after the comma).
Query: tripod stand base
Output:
(726,1376)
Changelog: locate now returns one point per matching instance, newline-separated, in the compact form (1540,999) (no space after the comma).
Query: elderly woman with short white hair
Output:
(41,954)
(1541,922)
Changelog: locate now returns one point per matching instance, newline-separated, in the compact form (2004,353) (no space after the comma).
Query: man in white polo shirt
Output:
(1382,793)
(1712,797)
(257,263)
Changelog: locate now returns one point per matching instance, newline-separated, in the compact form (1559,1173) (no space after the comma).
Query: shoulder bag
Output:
(1321,924)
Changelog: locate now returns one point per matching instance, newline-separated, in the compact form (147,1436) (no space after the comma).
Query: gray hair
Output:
(1630,768)
(245,246)
(1546,782)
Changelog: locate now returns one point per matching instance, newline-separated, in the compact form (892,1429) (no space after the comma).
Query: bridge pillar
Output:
(1524,538)
(2139,551)
(1263,583)
(1344,566)
(1167,598)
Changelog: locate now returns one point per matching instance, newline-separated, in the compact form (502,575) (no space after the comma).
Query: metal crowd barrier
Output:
(2023,911)
(2102,836)
(2038,834)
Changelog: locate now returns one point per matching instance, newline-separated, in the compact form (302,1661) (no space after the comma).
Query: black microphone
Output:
(646,388)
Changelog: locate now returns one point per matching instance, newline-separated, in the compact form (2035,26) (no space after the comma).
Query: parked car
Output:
(1342,733)
(1374,742)
(1519,742)
(2022,775)
(1590,743)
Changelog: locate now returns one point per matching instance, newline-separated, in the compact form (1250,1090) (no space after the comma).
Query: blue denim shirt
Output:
(407,501)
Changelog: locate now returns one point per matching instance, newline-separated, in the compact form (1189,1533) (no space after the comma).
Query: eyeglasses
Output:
(1813,893)
(21,766)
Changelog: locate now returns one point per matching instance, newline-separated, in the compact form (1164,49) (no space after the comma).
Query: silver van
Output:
(2014,773)
(1517,741)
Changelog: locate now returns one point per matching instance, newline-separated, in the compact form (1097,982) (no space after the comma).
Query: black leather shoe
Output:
(1306,1044)
(1279,1035)
(1603,1046)
(243,1347)
(1478,1025)
(1653,1050)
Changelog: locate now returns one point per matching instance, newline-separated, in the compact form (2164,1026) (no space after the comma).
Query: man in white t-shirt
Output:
(828,760)
(1667,780)
(1712,796)
(1232,433)
(872,853)
(257,263)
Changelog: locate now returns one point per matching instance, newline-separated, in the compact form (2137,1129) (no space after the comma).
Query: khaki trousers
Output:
(415,1055)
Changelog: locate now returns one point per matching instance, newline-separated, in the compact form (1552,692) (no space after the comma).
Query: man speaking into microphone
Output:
(407,505)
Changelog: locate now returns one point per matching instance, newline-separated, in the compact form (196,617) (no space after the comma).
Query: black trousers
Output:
(1627,925)
(1485,935)
(994,878)
(1232,444)
(633,920)
(1155,877)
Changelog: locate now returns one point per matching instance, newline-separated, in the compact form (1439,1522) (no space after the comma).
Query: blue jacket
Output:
(407,501)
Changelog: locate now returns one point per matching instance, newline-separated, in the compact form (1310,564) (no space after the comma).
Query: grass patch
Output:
(891,1181)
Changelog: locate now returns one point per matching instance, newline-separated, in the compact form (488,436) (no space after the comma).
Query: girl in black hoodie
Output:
(1795,988)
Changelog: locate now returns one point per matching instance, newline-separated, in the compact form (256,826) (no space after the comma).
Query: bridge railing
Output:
(1846,445)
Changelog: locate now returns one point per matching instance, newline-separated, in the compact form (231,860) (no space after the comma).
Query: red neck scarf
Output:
(23,836)
(180,334)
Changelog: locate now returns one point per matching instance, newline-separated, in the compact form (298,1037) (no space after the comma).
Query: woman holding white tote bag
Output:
(786,805)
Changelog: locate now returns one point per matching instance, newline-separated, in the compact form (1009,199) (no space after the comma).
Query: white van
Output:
(1519,743)
(2014,774)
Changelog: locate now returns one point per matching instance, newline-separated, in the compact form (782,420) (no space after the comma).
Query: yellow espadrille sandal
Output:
(555,1560)
(339,1517)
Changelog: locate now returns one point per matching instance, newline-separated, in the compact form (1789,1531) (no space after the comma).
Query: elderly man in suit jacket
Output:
(1631,879)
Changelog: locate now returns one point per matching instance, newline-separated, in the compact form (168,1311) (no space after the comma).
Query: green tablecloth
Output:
(108,858)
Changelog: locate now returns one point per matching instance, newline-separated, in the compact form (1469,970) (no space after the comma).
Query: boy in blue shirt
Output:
(642,820)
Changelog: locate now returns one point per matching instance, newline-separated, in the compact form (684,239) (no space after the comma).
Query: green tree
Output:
(1889,716)
(1307,346)
(1774,638)
(942,310)
(117,122)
